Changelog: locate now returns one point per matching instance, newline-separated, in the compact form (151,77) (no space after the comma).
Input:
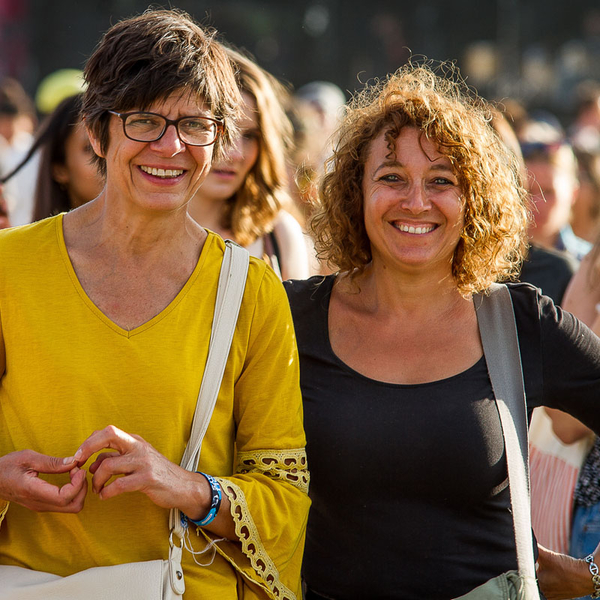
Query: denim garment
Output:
(585,532)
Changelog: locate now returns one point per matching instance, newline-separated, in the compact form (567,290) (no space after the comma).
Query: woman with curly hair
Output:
(422,208)
(245,194)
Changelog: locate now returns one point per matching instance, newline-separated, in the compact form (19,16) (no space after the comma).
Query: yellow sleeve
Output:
(269,488)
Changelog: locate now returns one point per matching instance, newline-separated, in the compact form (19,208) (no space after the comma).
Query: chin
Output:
(216,191)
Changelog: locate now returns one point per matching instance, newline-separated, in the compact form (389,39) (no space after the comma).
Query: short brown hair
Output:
(146,58)
(493,238)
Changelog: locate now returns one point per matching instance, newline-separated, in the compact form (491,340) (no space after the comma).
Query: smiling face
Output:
(160,175)
(413,209)
(228,175)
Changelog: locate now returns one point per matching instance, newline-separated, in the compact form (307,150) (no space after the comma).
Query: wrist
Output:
(207,513)
(594,573)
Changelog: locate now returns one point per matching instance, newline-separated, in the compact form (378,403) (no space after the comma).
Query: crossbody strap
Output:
(498,331)
(232,282)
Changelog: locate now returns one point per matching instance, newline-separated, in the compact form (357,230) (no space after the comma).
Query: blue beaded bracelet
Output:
(215,502)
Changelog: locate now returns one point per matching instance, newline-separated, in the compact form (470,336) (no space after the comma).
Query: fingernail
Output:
(69,460)
(78,455)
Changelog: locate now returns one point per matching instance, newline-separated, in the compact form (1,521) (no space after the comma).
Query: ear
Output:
(60,174)
(94,141)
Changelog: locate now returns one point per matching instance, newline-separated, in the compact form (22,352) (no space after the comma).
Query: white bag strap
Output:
(498,331)
(232,282)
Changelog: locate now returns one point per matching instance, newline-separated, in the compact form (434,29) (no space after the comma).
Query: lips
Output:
(223,172)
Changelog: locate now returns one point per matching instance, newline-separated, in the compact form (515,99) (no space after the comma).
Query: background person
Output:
(244,197)
(585,218)
(546,268)
(67,176)
(106,318)
(553,184)
(422,207)
(18,122)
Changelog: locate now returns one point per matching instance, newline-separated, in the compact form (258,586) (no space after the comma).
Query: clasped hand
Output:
(138,464)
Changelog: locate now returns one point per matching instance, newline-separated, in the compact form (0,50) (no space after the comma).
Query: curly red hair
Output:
(493,240)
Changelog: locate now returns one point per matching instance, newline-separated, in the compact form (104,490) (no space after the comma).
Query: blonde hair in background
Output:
(251,211)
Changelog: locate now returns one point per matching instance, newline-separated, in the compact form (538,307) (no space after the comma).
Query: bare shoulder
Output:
(292,242)
(286,226)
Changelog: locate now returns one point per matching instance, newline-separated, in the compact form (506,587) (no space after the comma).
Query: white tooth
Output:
(169,173)
(411,230)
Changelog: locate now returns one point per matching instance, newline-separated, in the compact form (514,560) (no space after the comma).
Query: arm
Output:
(268,488)
(580,299)
(567,428)
(569,357)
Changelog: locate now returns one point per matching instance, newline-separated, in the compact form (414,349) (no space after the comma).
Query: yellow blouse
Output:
(70,370)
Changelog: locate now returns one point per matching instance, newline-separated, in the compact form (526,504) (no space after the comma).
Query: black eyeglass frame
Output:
(174,122)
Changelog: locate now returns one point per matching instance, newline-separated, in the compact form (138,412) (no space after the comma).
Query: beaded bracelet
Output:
(589,559)
(215,501)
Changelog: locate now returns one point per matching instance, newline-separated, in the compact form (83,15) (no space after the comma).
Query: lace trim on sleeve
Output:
(285,465)
(252,545)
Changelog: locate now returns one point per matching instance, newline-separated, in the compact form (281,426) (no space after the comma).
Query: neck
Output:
(120,232)
(385,291)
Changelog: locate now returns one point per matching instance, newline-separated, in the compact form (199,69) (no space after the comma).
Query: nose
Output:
(170,143)
(416,200)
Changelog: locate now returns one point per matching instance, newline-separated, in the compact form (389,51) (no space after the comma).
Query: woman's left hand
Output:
(141,468)
(561,576)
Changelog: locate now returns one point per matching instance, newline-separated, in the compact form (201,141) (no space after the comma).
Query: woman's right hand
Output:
(20,483)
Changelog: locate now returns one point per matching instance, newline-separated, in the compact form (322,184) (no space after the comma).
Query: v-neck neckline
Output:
(96,311)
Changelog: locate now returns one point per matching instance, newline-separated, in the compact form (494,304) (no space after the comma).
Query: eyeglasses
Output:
(150,127)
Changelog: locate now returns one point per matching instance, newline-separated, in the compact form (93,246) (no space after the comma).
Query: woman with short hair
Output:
(106,318)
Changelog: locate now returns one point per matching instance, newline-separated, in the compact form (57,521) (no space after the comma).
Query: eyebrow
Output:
(435,166)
